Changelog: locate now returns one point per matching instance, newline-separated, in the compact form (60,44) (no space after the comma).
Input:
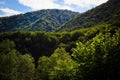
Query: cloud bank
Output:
(8,12)
(43,4)
(85,3)
(74,5)
(67,4)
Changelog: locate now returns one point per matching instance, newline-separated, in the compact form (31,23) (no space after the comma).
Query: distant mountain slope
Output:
(108,12)
(43,20)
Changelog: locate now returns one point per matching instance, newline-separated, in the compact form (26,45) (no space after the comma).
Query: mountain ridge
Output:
(62,20)
(41,20)
(106,12)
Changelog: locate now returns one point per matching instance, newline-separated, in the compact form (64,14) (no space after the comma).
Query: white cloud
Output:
(43,4)
(8,12)
(84,3)
(74,5)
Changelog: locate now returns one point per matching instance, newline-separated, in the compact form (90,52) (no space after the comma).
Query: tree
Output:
(8,61)
(6,46)
(59,66)
(26,68)
(13,65)
(64,66)
(44,66)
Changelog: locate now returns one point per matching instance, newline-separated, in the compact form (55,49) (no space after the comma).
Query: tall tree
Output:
(26,68)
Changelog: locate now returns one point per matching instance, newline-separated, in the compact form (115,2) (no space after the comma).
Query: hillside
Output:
(42,20)
(108,12)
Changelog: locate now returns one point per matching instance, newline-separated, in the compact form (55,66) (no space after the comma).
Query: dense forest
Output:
(91,53)
(86,54)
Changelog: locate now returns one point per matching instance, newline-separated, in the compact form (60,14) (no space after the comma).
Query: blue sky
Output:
(13,7)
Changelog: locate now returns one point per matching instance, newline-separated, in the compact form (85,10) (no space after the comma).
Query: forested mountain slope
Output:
(108,12)
(42,20)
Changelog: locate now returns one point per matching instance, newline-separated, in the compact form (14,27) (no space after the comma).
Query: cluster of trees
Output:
(99,58)
(94,57)
(13,65)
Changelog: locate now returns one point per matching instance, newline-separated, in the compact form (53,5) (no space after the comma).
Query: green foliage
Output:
(8,65)
(58,66)
(36,43)
(44,66)
(26,68)
(6,46)
(64,65)
(13,65)
(98,58)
